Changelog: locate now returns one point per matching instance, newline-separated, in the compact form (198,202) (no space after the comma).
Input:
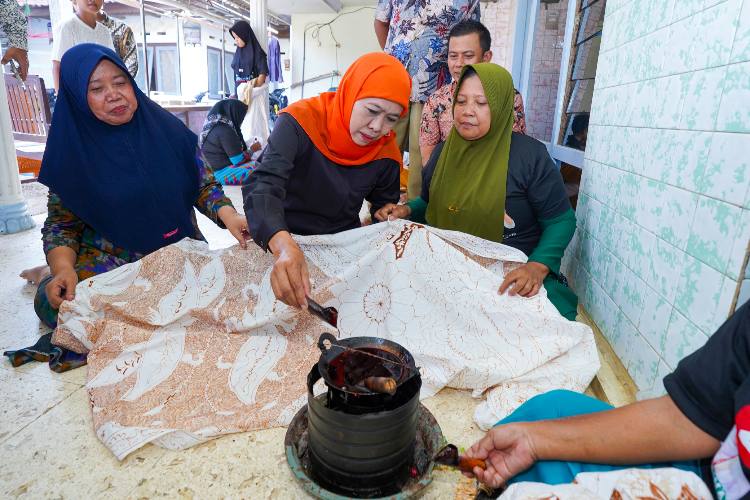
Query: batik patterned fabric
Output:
(618,485)
(188,344)
(123,40)
(437,116)
(418,37)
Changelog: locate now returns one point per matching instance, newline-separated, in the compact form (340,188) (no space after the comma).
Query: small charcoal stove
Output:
(367,436)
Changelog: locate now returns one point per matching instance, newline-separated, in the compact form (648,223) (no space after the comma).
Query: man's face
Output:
(463,50)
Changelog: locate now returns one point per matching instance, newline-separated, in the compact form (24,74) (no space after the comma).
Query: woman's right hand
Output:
(392,211)
(507,450)
(62,286)
(289,279)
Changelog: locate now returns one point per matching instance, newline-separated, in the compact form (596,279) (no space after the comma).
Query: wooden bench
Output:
(29,108)
(30,118)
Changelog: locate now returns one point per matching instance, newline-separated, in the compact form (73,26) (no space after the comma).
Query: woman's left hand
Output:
(236,224)
(526,280)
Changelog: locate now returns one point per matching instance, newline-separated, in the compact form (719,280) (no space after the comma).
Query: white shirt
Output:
(73,31)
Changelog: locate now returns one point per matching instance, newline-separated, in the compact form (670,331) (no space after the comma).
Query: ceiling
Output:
(289,7)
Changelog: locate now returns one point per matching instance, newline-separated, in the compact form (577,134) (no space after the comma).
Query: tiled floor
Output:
(49,449)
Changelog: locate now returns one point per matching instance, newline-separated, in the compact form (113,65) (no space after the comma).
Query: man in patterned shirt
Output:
(415,32)
(123,40)
(14,25)
(468,43)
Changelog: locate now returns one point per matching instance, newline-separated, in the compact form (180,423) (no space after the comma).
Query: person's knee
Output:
(554,404)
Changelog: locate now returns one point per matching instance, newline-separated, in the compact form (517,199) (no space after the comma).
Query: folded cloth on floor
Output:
(59,359)
(188,344)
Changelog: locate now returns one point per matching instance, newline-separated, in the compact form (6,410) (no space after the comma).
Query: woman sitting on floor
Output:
(222,144)
(325,156)
(491,182)
(124,175)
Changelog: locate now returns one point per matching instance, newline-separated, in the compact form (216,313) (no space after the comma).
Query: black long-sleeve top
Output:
(296,188)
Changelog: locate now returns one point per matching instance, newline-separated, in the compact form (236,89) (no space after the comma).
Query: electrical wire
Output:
(316,29)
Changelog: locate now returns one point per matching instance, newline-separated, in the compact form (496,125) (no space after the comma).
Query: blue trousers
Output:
(557,404)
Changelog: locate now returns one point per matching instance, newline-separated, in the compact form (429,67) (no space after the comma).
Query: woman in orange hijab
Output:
(325,156)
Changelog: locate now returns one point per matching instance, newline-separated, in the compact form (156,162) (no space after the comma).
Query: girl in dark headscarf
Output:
(222,144)
(123,175)
(250,60)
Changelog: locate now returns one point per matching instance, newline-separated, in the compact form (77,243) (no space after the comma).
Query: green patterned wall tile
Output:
(657,390)
(682,338)
(665,269)
(686,8)
(741,44)
(702,98)
(699,294)
(631,296)
(740,247)
(678,57)
(654,319)
(667,101)
(734,112)
(641,245)
(642,361)
(660,14)
(666,211)
(728,291)
(713,231)
(727,175)
(680,158)
(717,26)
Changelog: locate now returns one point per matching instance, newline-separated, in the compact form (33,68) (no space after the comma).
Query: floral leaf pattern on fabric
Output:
(197,346)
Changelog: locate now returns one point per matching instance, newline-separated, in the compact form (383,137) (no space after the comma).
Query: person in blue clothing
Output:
(704,419)
(222,144)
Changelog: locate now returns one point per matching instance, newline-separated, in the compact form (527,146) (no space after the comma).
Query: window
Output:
(163,69)
(581,73)
(214,73)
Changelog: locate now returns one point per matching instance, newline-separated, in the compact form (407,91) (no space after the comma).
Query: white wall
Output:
(354,33)
(193,59)
(40,50)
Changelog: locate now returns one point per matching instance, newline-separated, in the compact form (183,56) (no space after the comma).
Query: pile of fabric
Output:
(188,344)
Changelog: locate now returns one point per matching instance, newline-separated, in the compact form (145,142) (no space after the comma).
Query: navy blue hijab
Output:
(136,183)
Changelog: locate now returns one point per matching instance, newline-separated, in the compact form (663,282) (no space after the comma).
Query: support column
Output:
(59,11)
(259,21)
(14,214)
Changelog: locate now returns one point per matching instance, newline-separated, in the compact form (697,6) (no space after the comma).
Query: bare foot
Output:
(36,274)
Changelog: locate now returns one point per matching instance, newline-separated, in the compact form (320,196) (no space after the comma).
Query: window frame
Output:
(155,79)
(217,52)
(523,65)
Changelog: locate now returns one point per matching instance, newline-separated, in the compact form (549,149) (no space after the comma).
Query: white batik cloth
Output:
(189,344)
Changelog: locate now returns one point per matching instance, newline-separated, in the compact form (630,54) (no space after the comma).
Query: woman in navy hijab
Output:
(123,175)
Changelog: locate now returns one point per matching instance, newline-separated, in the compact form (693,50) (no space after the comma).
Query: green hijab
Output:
(467,192)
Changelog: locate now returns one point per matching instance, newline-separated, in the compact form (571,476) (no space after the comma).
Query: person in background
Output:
(469,42)
(124,176)
(222,144)
(325,157)
(704,417)
(579,132)
(493,183)
(81,28)
(123,40)
(415,34)
(250,61)
(15,26)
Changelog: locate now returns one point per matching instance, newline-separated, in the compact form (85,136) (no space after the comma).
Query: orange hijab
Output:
(325,118)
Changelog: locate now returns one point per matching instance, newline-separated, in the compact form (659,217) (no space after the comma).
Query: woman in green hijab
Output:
(502,186)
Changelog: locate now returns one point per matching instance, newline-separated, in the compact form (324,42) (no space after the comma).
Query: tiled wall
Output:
(664,213)
(545,71)
(499,19)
